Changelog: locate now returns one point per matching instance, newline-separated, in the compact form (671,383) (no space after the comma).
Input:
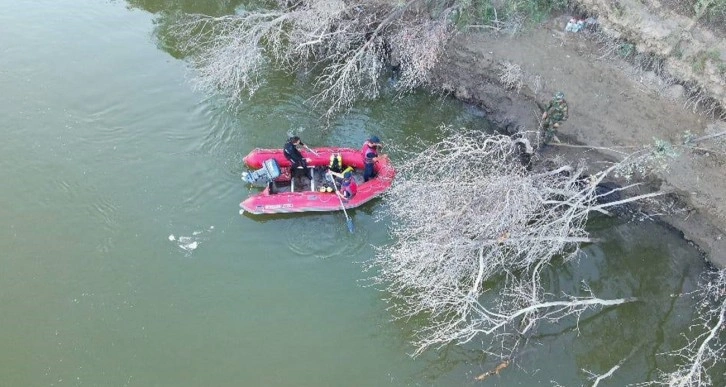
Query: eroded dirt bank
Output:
(611,105)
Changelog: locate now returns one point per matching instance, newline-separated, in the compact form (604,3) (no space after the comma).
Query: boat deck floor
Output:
(304,184)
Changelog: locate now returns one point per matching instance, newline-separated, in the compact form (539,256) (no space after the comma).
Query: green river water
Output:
(108,153)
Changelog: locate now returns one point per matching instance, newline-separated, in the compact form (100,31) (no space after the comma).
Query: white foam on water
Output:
(190,246)
(192,242)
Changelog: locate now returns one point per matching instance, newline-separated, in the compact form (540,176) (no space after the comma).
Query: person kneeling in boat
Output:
(348,187)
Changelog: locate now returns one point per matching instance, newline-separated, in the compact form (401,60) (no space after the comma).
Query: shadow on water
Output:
(321,235)
(633,259)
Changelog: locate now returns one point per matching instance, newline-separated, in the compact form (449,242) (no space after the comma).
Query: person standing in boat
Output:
(348,187)
(370,151)
(373,144)
(297,161)
(369,164)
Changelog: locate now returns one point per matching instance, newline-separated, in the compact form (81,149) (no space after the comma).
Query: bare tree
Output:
(464,212)
(346,43)
(705,346)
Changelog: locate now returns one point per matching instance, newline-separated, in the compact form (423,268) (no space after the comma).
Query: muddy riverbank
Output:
(613,104)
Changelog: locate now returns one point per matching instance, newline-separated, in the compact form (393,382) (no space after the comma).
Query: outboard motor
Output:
(270,171)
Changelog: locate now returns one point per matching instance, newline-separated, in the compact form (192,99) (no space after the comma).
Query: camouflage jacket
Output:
(557,110)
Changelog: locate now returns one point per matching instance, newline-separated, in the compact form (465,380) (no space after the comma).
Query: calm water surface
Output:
(108,154)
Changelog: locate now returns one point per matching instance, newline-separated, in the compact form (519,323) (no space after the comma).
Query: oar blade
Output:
(350,225)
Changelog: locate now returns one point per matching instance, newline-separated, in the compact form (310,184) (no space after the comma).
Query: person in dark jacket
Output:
(299,166)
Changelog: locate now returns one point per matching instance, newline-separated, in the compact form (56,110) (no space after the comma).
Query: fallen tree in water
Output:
(465,215)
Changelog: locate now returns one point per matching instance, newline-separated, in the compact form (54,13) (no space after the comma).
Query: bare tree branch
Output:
(598,378)
(706,348)
(348,44)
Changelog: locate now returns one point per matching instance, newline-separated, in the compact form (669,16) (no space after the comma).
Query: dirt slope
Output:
(611,105)
(692,50)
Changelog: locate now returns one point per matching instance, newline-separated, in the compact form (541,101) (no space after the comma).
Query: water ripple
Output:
(107,211)
(205,190)
(323,237)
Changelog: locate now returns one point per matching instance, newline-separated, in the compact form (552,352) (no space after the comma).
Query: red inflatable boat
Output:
(303,194)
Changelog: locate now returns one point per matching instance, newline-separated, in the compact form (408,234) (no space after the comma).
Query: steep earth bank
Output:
(613,104)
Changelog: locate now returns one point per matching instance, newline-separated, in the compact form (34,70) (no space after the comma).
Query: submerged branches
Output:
(705,347)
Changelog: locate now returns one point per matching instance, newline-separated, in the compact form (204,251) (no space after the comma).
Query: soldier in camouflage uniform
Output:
(555,112)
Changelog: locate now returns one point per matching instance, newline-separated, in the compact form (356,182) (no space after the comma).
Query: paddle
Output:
(311,151)
(348,220)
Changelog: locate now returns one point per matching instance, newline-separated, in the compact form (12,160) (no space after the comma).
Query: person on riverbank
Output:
(555,113)
(298,164)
